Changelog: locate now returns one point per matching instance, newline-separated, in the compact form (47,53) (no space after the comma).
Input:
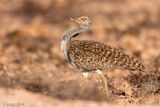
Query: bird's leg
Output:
(104,80)
(85,74)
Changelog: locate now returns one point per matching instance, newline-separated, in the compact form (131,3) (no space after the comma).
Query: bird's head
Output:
(83,21)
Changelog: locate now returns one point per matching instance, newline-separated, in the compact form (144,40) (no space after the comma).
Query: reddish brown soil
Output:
(33,69)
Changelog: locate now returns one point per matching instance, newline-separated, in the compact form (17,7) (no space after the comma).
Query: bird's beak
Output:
(75,19)
(72,18)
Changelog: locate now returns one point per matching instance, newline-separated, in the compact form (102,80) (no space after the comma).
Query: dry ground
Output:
(33,71)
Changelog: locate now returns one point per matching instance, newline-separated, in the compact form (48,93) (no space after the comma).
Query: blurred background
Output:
(33,70)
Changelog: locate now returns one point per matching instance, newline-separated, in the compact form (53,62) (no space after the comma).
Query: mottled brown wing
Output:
(91,55)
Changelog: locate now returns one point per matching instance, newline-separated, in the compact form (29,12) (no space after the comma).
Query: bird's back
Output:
(91,55)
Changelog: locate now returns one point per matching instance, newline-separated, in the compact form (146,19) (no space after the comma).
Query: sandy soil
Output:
(33,69)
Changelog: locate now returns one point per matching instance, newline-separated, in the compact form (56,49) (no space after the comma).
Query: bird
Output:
(89,55)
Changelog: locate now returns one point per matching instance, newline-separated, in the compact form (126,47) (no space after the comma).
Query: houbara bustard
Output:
(89,56)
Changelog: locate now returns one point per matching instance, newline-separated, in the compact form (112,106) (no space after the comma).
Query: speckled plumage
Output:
(91,55)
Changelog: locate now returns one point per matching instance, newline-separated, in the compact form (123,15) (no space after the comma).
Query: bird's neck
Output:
(75,32)
(69,35)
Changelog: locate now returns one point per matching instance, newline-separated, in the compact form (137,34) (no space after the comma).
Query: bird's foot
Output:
(104,80)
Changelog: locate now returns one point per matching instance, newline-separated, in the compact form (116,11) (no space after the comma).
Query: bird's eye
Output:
(84,18)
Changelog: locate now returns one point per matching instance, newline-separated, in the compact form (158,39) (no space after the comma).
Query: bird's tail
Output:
(132,63)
